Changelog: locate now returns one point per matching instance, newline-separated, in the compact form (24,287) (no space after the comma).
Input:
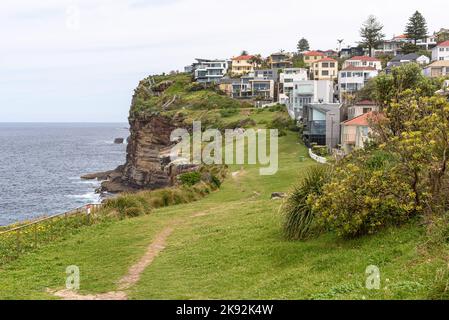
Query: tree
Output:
(371,33)
(303,45)
(409,48)
(244,53)
(257,59)
(442,35)
(416,28)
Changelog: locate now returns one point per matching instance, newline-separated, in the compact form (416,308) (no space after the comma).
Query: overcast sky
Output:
(80,60)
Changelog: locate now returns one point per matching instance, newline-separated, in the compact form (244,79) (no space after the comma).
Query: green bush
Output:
(361,200)
(228,112)
(190,178)
(297,208)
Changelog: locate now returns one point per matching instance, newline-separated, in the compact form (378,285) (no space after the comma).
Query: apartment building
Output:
(243,65)
(324,69)
(351,79)
(363,61)
(308,91)
(207,70)
(441,51)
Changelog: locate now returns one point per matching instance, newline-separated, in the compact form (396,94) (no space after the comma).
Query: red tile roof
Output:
(354,68)
(364,58)
(327,59)
(360,120)
(245,57)
(314,53)
(401,36)
(444,44)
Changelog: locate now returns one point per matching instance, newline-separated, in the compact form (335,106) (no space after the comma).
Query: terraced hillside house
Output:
(322,124)
(280,60)
(207,70)
(311,57)
(363,61)
(351,79)
(324,69)
(243,65)
(441,51)
(286,82)
(306,92)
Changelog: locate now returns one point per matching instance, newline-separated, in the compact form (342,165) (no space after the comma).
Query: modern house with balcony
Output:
(308,91)
(205,70)
(280,60)
(351,79)
(363,61)
(322,124)
(286,82)
(355,133)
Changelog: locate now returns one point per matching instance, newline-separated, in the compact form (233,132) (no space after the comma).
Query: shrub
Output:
(361,200)
(228,112)
(134,212)
(297,208)
(190,178)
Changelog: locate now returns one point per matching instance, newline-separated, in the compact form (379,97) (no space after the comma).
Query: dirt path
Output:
(133,276)
(129,279)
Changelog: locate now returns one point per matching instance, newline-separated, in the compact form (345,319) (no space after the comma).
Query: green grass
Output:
(235,250)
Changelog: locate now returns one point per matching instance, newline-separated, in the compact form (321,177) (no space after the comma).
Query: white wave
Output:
(91,197)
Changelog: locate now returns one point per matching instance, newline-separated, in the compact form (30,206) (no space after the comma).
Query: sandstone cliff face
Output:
(144,166)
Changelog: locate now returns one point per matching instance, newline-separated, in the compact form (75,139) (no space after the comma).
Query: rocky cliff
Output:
(160,105)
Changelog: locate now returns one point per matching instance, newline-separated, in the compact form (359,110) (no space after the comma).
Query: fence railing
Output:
(21,238)
(317,158)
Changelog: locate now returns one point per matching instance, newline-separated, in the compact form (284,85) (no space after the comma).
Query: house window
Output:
(441,49)
(332,65)
(324,73)
(325,65)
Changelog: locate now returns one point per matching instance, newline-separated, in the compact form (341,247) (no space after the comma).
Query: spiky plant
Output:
(298,215)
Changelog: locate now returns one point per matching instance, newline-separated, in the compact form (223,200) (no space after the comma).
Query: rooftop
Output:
(444,44)
(243,57)
(326,60)
(353,68)
(362,120)
(363,58)
(440,63)
(314,53)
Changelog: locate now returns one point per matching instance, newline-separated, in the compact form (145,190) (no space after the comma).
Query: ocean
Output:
(41,165)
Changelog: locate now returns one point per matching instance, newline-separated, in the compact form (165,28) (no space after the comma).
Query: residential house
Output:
(361,107)
(351,51)
(262,89)
(392,46)
(330,53)
(322,124)
(206,70)
(400,60)
(286,80)
(241,87)
(280,60)
(225,85)
(310,57)
(243,64)
(271,74)
(353,78)
(355,133)
(438,68)
(444,91)
(363,61)
(308,91)
(441,51)
(324,69)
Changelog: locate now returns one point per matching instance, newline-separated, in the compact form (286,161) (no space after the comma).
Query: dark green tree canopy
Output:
(371,33)
(416,28)
(303,45)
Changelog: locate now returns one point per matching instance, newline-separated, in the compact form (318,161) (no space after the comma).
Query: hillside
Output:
(230,246)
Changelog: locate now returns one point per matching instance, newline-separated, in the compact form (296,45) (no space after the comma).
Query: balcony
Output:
(317,127)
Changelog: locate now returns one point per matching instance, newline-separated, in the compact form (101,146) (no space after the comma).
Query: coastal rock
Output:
(119,140)
(278,195)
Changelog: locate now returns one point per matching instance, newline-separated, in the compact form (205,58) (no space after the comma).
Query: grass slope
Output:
(233,250)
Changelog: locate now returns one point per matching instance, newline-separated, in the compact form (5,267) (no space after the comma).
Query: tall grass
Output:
(297,209)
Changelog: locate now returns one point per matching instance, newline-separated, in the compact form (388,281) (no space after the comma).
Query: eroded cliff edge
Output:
(160,105)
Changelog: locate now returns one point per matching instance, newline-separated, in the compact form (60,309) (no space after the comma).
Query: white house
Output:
(309,91)
(286,82)
(441,51)
(206,70)
(352,78)
(363,61)
(355,133)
